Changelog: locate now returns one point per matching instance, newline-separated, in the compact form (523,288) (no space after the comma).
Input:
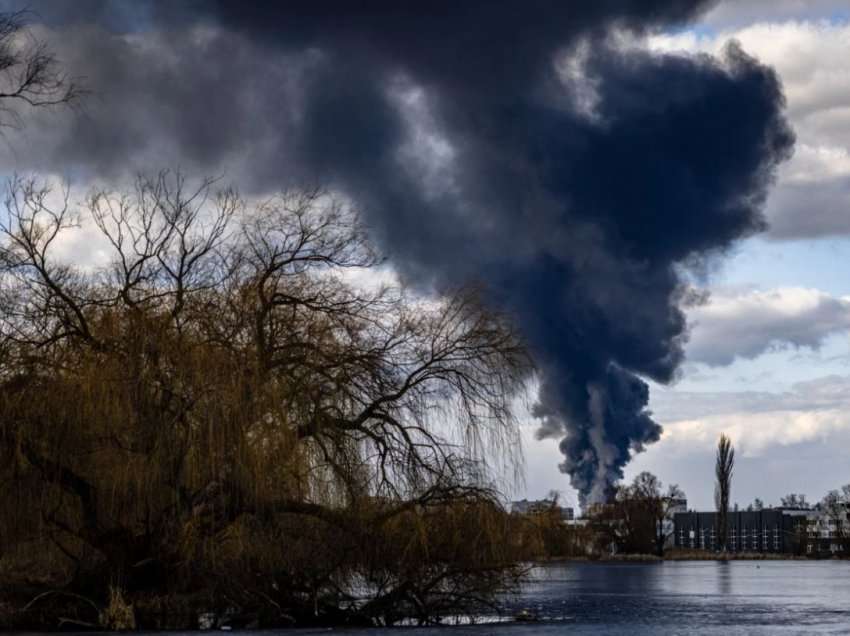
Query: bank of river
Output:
(734,598)
(693,598)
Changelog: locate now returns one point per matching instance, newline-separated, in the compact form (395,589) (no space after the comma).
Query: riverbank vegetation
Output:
(681,554)
(636,520)
(220,417)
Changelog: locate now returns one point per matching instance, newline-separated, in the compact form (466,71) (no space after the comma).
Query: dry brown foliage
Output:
(219,407)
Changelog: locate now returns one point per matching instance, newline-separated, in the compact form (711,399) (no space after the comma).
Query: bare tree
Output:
(835,506)
(30,74)
(641,512)
(794,500)
(669,503)
(220,389)
(723,472)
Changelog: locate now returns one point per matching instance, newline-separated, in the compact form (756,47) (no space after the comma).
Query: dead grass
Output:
(118,616)
(704,555)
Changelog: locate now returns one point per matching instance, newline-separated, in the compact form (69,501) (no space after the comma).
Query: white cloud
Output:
(824,394)
(812,197)
(755,434)
(768,464)
(745,324)
(755,420)
(787,441)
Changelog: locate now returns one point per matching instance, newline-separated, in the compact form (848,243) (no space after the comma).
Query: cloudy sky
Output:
(768,359)
(459,153)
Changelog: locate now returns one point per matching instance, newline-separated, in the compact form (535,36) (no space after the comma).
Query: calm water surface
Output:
(693,598)
(744,597)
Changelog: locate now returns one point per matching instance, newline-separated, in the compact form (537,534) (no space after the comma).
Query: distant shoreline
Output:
(687,556)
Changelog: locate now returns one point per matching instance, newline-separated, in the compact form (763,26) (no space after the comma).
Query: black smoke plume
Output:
(516,144)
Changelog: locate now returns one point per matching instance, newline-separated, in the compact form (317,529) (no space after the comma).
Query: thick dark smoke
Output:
(515,144)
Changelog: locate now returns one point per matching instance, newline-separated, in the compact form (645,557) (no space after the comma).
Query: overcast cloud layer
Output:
(515,144)
(478,161)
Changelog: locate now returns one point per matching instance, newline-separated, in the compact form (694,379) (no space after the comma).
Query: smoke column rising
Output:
(513,144)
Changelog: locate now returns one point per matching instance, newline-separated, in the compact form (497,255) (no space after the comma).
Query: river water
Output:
(688,598)
(695,597)
(672,598)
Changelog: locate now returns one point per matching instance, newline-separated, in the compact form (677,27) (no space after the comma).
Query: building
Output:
(827,529)
(525,507)
(804,531)
(768,530)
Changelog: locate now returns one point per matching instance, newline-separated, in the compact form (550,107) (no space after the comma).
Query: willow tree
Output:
(221,403)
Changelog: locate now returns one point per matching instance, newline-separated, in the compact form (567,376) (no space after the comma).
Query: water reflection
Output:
(695,598)
(724,577)
(709,597)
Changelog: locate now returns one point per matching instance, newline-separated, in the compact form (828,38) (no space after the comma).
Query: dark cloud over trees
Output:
(517,145)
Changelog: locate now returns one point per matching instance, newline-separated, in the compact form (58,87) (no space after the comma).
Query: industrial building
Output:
(808,532)
(748,531)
